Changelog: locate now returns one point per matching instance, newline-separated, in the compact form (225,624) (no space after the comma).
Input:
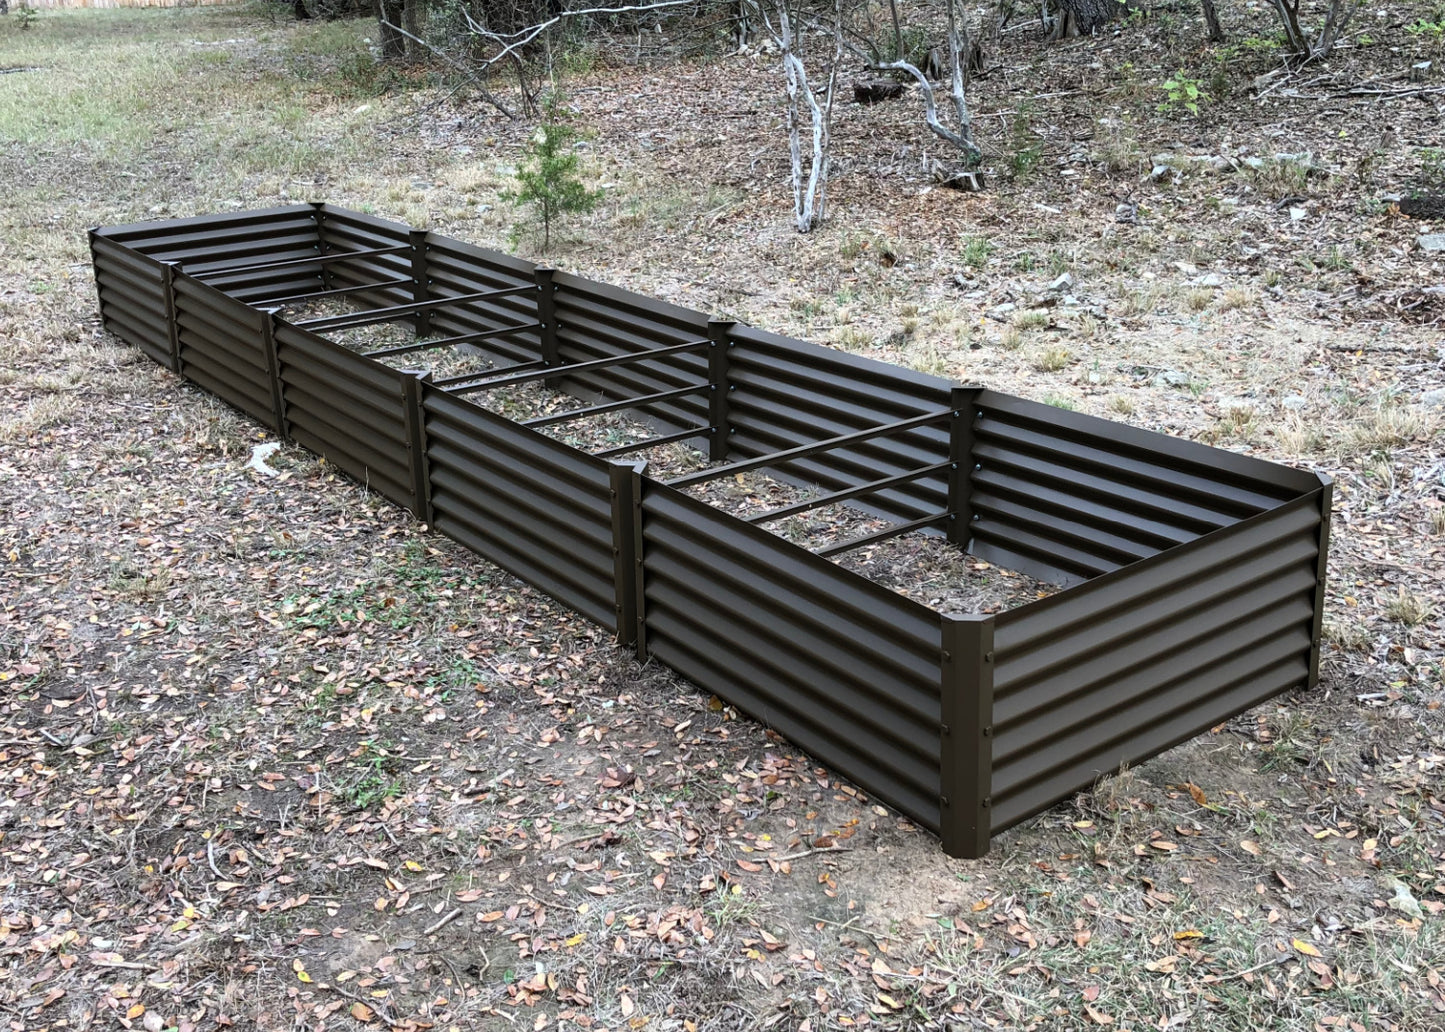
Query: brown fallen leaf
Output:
(1098,1015)
(361,1012)
(1305,948)
(1196,793)
(1252,848)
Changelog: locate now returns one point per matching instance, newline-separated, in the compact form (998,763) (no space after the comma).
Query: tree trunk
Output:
(413,16)
(1085,17)
(1211,22)
(390,14)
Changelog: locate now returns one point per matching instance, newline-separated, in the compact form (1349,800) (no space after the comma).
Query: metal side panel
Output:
(842,667)
(221,347)
(536,508)
(348,408)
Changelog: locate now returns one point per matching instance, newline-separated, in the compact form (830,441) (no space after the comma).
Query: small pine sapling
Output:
(547,179)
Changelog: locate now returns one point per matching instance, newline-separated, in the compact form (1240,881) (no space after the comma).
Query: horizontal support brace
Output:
(583,367)
(291,299)
(653,442)
(872,487)
(376,315)
(882,535)
(451,382)
(804,450)
(221,268)
(446,342)
(614,406)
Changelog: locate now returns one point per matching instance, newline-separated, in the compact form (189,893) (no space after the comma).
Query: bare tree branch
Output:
(514,41)
(457,65)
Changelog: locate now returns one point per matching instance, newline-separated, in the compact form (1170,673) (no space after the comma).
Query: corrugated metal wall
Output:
(222,347)
(533,506)
(841,666)
(1065,496)
(1137,660)
(346,409)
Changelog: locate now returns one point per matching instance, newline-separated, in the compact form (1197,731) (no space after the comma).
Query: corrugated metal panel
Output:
(1122,667)
(346,408)
(846,669)
(132,295)
(595,320)
(240,238)
(342,231)
(791,393)
(533,506)
(455,268)
(1065,497)
(221,347)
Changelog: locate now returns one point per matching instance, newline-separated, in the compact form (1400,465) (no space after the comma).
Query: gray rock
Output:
(1295,402)
(1064,282)
(1160,172)
(1433,399)
(1210,279)
(1432,242)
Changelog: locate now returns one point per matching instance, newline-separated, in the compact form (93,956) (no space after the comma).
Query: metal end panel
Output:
(1135,661)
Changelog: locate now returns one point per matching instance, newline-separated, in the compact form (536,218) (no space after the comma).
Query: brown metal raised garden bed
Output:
(1193,576)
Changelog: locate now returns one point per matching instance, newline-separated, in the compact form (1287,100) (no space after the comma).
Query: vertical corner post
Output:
(966,740)
(719,332)
(627,580)
(273,370)
(318,215)
(173,326)
(639,558)
(413,388)
(547,320)
(960,465)
(420,281)
(1327,496)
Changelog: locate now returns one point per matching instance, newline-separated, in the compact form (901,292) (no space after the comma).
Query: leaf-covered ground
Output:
(276,757)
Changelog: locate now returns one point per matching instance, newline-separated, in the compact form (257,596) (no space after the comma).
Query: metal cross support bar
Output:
(653,442)
(872,487)
(376,315)
(882,535)
(582,367)
(446,342)
(803,451)
(205,269)
(614,406)
(449,384)
(291,299)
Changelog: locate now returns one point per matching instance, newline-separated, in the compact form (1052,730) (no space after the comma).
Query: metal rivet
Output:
(988,731)
(978,465)
(943,799)
(988,657)
(946,729)
(986,802)
(947,656)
